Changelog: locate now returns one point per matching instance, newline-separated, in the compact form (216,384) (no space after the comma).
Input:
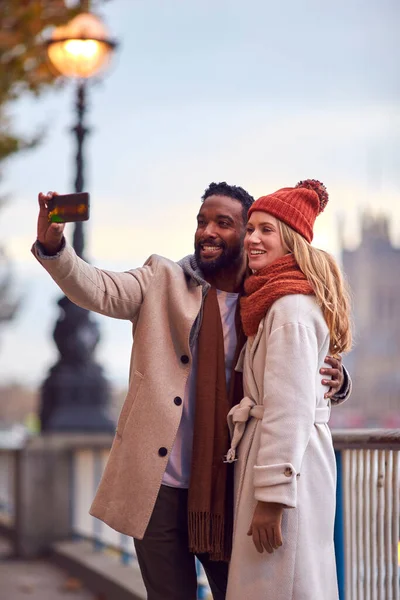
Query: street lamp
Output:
(80,49)
(76,396)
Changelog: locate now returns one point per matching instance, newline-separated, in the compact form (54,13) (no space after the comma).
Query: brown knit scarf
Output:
(210,499)
(278,279)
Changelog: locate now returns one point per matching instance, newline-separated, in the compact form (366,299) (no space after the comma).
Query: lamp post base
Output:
(75,397)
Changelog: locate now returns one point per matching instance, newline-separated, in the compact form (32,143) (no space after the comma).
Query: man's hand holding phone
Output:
(49,234)
(55,211)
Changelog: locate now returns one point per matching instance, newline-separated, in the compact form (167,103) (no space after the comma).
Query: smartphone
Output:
(68,208)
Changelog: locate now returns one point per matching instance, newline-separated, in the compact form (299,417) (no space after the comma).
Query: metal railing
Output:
(367,517)
(367,522)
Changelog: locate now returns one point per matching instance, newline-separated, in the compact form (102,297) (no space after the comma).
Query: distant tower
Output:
(373,272)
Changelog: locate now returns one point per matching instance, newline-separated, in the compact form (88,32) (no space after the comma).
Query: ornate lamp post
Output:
(75,396)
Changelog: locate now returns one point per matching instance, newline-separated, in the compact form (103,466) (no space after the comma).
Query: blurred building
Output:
(373,272)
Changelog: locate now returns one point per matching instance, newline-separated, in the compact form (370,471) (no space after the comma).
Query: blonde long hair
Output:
(326,279)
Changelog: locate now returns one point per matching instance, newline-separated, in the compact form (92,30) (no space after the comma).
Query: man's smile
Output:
(210,250)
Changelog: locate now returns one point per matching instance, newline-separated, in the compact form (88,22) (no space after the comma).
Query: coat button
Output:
(184,359)
(178,400)
(163,451)
(288,472)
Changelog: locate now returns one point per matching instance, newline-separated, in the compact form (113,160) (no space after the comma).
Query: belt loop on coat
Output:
(322,414)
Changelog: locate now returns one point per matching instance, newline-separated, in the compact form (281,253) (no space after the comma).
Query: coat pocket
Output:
(129,401)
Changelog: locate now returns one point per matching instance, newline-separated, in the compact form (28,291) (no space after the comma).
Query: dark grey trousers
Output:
(168,568)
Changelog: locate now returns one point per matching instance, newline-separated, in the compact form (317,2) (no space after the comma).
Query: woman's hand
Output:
(266,526)
(336,374)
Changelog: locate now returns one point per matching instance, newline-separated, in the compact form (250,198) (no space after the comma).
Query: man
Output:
(166,483)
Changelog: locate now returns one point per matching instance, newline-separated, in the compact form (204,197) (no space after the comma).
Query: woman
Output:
(295,310)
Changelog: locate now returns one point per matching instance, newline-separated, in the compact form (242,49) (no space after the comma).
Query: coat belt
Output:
(247,409)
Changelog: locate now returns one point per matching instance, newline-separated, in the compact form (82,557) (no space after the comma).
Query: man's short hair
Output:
(230,191)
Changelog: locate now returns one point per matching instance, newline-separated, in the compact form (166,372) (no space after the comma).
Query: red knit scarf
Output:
(278,279)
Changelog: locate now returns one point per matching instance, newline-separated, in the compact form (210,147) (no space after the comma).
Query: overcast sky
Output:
(257,93)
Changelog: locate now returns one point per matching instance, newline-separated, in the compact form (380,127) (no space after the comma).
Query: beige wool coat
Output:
(163,302)
(285,454)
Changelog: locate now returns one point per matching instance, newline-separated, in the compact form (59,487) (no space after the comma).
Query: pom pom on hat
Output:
(296,206)
(318,188)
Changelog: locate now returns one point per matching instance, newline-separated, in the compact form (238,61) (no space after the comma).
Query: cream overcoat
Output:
(285,455)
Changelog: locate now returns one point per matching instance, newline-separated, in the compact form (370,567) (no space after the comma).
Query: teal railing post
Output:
(202,587)
(339,528)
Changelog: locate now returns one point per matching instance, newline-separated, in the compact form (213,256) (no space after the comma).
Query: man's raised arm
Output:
(115,294)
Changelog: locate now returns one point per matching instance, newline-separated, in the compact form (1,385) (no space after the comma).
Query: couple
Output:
(169,479)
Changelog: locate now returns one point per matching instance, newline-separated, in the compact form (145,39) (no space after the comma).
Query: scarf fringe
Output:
(206,535)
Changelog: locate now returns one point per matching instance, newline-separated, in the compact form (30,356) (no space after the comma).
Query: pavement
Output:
(37,580)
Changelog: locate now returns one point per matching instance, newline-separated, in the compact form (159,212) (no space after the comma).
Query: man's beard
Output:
(228,259)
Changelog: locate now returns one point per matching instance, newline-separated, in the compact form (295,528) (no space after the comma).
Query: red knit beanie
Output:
(298,207)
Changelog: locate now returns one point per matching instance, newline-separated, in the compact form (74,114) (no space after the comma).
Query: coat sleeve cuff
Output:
(276,483)
(39,251)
